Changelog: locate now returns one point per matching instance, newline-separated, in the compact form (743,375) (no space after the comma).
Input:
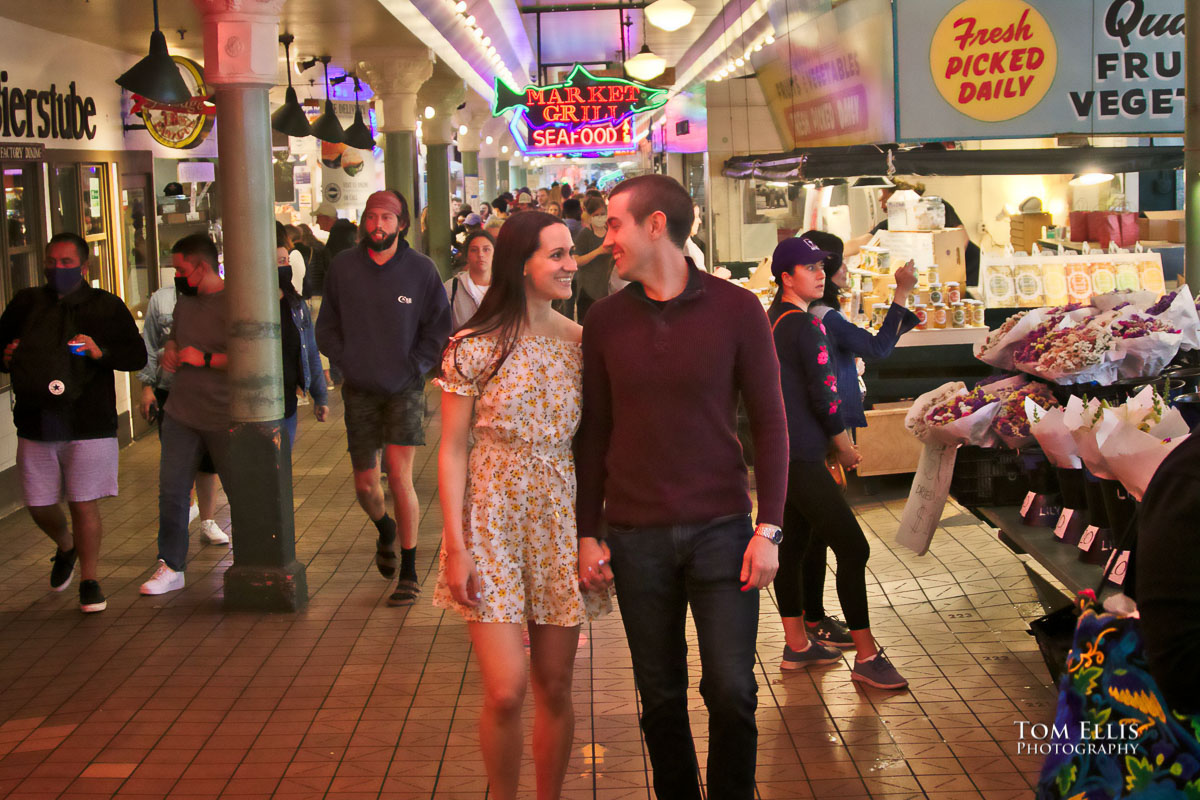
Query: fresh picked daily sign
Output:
(583,114)
(977,69)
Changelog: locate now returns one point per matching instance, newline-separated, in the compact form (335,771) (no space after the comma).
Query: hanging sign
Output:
(584,114)
(976,69)
(179,126)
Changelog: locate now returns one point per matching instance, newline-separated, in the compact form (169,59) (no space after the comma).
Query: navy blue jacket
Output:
(811,396)
(849,340)
(383,325)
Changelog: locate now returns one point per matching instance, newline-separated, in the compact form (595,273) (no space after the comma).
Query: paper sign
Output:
(1029,498)
(1064,522)
(927,497)
(1089,536)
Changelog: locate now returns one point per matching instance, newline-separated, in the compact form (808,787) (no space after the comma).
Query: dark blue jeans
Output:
(660,572)
(182,450)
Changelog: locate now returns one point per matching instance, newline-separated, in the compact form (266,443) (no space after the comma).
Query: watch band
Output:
(772,533)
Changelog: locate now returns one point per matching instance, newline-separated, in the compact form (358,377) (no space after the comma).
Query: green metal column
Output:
(470,162)
(1191,146)
(265,575)
(489,187)
(400,173)
(437,173)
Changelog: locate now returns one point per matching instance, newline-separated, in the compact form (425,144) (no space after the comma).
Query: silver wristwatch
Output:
(772,533)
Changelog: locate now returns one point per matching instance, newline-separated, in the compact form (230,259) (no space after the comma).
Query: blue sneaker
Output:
(878,672)
(816,654)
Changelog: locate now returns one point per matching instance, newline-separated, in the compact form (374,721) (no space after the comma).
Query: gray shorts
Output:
(375,420)
(78,470)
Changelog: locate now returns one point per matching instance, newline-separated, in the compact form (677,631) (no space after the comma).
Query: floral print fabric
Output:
(519,508)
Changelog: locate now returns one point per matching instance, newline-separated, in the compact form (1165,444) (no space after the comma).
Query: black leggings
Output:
(816,515)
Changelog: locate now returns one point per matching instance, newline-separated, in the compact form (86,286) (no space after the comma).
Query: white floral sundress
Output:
(519,508)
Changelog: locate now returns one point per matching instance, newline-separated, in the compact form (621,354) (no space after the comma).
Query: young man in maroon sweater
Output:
(658,460)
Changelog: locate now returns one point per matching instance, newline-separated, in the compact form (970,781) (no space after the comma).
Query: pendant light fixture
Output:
(156,76)
(327,128)
(645,65)
(358,135)
(289,118)
(670,15)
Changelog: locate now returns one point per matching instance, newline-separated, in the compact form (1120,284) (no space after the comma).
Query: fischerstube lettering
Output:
(45,114)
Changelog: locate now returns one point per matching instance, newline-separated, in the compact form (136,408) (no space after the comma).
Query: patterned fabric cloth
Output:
(519,512)
(1113,734)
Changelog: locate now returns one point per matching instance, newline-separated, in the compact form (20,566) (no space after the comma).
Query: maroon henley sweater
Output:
(658,442)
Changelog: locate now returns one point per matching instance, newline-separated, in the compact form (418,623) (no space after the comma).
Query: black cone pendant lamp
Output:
(327,128)
(358,135)
(156,76)
(289,118)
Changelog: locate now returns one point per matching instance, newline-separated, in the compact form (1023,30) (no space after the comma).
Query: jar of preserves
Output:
(936,295)
(939,318)
(953,293)
(931,276)
(922,313)
(958,315)
(975,310)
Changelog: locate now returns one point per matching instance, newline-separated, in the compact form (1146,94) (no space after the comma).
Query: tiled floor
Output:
(169,697)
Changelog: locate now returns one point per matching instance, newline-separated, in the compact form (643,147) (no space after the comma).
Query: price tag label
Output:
(1089,536)
(1028,504)
(1064,522)
(1117,573)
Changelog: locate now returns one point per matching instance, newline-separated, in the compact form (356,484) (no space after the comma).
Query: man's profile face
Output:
(325,223)
(630,242)
(187,268)
(63,255)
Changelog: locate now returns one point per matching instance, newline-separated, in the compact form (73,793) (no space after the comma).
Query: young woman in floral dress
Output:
(511,383)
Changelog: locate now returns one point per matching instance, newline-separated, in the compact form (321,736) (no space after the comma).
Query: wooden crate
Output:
(886,446)
(1025,229)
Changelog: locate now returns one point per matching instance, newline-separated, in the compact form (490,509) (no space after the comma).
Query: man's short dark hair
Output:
(198,245)
(500,204)
(650,193)
(594,205)
(71,238)
(571,208)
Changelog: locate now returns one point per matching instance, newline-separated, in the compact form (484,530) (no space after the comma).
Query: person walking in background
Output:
(160,317)
(594,256)
(196,417)
(573,215)
(466,289)
(61,344)
(510,408)
(384,322)
(295,259)
(848,342)
(298,342)
(665,361)
(499,214)
(816,509)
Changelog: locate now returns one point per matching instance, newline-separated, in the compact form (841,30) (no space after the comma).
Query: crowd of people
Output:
(591,371)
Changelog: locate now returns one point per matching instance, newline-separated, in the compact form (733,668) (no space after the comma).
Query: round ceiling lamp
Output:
(645,65)
(289,118)
(327,127)
(157,75)
(670,15)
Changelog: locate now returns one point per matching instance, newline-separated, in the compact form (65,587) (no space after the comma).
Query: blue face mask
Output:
(64,280)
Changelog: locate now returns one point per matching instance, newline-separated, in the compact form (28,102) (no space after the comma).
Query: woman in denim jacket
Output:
(301,359)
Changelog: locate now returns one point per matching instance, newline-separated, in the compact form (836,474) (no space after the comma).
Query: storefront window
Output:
(93,205)
(64,212)
(20,235)
(133,220)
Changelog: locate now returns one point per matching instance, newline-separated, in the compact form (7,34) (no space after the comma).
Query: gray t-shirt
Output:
(200,395)
(592,276)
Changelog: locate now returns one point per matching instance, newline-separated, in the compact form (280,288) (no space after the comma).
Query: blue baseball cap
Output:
(795,252)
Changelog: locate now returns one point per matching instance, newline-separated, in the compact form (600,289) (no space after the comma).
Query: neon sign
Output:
(584,114)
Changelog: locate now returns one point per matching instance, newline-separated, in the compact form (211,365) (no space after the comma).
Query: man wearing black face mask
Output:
(196,416)
(62,342)
(384,322)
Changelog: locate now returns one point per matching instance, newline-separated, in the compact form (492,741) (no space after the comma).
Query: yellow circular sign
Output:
(993,59)
(185,126)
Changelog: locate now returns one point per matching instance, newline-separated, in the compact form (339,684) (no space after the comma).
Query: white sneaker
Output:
(212,533)
(193,512)
(163,580)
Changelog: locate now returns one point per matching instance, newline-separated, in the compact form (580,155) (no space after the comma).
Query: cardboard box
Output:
(947,249)
(1024,230)
(175,218)
(1144,229)
(1159,226)
(886,446)
(1177,231)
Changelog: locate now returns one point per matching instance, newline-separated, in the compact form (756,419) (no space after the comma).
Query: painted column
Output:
(445,95)
(514,174)
(396,79)
(241,57)
(489,150)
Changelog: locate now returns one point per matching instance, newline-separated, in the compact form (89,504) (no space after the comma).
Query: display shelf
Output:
(942,336)
(1060,559)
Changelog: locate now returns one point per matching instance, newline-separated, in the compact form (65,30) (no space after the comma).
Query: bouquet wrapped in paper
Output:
(915,420)
(1144,344)
(966,418)
(1078,352)
(1049,427)
(997,348)
(1178,310)
(1011,423)
(1135,438)
(1080,419)
(1136,299)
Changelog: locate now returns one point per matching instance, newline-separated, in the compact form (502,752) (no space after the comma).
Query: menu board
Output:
(1054,280)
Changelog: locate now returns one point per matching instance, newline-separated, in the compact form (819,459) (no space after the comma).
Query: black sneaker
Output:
(62,568)
(91,599)
(831,632)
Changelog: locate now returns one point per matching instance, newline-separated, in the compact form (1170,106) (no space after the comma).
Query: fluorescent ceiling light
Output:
(670,15)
